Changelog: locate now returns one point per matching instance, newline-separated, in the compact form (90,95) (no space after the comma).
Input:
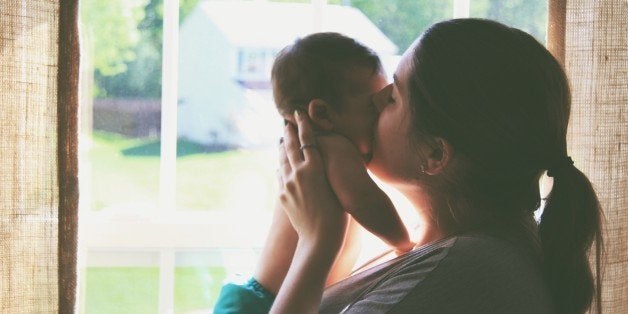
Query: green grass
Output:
(123,290)
(126,171)
(196,288)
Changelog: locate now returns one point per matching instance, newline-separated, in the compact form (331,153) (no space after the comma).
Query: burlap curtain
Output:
(591,38)
(38,162)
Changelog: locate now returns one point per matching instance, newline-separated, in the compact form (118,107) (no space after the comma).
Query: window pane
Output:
(121,282)
(199,275)
(120,106)
(527,15)
(228,127)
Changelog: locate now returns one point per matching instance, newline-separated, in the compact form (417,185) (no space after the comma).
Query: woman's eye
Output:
(391,99)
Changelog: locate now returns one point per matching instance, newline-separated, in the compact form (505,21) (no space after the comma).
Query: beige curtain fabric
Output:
(37,214)
(596,61)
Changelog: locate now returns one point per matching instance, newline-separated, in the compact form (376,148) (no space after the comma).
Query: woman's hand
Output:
(315,214)
(307,197)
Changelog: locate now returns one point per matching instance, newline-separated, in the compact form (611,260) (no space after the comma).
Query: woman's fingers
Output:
(284,166)
(291,145)
(307,138)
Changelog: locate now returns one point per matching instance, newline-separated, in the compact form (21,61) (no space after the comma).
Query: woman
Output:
(477,113)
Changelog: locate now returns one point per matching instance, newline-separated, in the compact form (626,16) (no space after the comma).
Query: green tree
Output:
(404,20)
(127,40)
(110,28)
(527,15)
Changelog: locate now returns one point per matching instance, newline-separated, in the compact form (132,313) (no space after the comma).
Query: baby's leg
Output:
(359,195)
(281,243)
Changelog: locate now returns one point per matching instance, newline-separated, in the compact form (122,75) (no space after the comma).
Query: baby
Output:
(332,78)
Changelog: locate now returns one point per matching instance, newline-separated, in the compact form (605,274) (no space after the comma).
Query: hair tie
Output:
(559,166)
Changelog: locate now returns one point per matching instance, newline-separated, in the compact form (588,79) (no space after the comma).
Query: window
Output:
(179,131)
(254,64)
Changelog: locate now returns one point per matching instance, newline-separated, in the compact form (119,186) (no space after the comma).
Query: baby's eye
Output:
(391,99)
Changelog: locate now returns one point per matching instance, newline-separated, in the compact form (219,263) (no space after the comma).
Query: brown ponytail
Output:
(569,225)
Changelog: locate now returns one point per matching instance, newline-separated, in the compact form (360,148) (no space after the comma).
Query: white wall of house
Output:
(209,97)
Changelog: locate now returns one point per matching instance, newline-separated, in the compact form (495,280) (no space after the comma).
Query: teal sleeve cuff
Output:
(251,297)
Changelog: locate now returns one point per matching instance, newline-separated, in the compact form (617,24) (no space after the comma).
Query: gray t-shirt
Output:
(463,274)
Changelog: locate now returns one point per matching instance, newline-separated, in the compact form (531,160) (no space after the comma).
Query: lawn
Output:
(125,174)
(136,289)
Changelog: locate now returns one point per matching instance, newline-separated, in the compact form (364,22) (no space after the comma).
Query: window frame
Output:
(168,231)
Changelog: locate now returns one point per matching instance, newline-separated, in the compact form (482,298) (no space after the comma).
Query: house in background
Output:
(226,51)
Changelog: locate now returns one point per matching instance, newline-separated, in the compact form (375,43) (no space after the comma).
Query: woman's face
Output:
(394,159)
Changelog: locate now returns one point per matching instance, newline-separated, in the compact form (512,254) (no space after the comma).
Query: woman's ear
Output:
(439,158)
(320,114)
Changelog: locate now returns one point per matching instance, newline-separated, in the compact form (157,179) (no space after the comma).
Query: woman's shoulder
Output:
(488,250)
(465,273)
(480,274)
(475,260)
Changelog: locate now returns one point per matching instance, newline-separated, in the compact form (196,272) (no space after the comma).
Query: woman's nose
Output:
(380,98)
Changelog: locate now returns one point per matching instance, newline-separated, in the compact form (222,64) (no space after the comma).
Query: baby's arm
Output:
(359,195)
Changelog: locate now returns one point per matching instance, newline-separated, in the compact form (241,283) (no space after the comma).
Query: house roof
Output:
(275,25)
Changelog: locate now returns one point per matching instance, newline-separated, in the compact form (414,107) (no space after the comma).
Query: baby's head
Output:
(336,76)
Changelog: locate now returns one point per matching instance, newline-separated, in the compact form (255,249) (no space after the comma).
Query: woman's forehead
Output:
(403,69)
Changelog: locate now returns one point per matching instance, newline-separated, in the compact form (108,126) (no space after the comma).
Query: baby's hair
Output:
(315,67)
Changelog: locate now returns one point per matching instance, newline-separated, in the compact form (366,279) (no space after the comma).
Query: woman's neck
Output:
(428,228)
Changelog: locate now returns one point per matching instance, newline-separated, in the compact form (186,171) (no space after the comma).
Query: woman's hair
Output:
(502,101)
(315,67)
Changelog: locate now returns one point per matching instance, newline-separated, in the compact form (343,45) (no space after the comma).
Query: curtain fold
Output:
(38,199)
(594,47)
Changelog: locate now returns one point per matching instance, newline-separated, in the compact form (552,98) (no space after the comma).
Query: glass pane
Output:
(121,282)
(199,275)
(228,127)
(527,15)
(120,106)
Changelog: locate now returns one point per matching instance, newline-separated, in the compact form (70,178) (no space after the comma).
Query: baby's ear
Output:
(320,114)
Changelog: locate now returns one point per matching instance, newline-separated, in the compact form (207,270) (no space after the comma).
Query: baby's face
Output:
(358,115)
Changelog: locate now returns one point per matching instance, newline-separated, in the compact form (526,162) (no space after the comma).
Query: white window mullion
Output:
(168,160)
(166,281)
(462,8)
(169,83)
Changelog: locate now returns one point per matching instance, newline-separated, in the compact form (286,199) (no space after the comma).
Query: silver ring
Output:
(305,146)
